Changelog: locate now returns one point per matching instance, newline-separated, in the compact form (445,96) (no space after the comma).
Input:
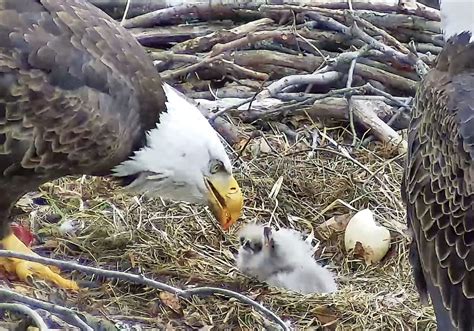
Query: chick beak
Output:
(225,199)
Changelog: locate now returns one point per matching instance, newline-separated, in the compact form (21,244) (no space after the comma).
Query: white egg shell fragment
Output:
(374,238)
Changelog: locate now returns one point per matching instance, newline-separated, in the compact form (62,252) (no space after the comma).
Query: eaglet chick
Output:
(282,259)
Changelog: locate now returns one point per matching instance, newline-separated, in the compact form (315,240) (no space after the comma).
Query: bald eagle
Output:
(438,183)
(80,96)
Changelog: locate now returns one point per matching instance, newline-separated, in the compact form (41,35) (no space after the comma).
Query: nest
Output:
(182,245)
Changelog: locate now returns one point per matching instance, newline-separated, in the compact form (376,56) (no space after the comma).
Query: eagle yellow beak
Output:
(225,198)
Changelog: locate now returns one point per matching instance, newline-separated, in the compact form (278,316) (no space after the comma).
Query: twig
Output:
(348,57)
(27,311)
(386,78)
(349,101)
(125,13)
(388,96)
(173,57)
(421,10)
(254,135)
(354,55)
(409,58)
(204,43)
(288,107)
(350,76)
(261,58)
(139,279)
(382,32)
(221,112)
(368,118)
(328,22)
(345,57)
(340,148)
(245,71)
(67,314)
(403,58)
(251,39)
(179,12)
(233,93)
(403,105)
(343,91)
(170,74)
(316,78)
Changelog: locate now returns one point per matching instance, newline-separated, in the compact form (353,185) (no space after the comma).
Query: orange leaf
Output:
(170,300)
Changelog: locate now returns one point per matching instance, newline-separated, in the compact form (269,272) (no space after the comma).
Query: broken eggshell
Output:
(366,238)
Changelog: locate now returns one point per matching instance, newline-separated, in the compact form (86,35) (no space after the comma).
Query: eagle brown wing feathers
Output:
(76,95)
(438,184)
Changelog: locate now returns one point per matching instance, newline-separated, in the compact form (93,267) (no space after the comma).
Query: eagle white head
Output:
(457,16)
(184,160)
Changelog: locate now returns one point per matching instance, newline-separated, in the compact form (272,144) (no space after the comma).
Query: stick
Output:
(233,92)
(286,108)
(316,78)
(246,72)
(349,101)
(382,32)
(27,311)
(388,6)
(67,314)
(379,128)
(170,74)
(335,109)
(252,38)
(397,101)
(138,279)
(127,8)
(204,43)
(178,12)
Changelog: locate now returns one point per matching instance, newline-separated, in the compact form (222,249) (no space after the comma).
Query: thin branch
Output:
(140,279)
(246,72)
(170,74)
(232,94)
(382,32)
(26,311)
(350,76)
(67,314)
(202,43)
(397,101)
(347,57)
(316,78)
(311,100)
(125,13)
(222,111)
(185,10)
(349,101)
(410,58)
(251,39)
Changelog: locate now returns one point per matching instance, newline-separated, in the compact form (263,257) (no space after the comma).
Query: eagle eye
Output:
(216,167)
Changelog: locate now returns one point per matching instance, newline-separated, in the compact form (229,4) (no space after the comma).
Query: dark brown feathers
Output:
(77,93)
(438,185)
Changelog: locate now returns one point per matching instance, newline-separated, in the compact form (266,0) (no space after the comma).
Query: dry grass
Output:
(182,244)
